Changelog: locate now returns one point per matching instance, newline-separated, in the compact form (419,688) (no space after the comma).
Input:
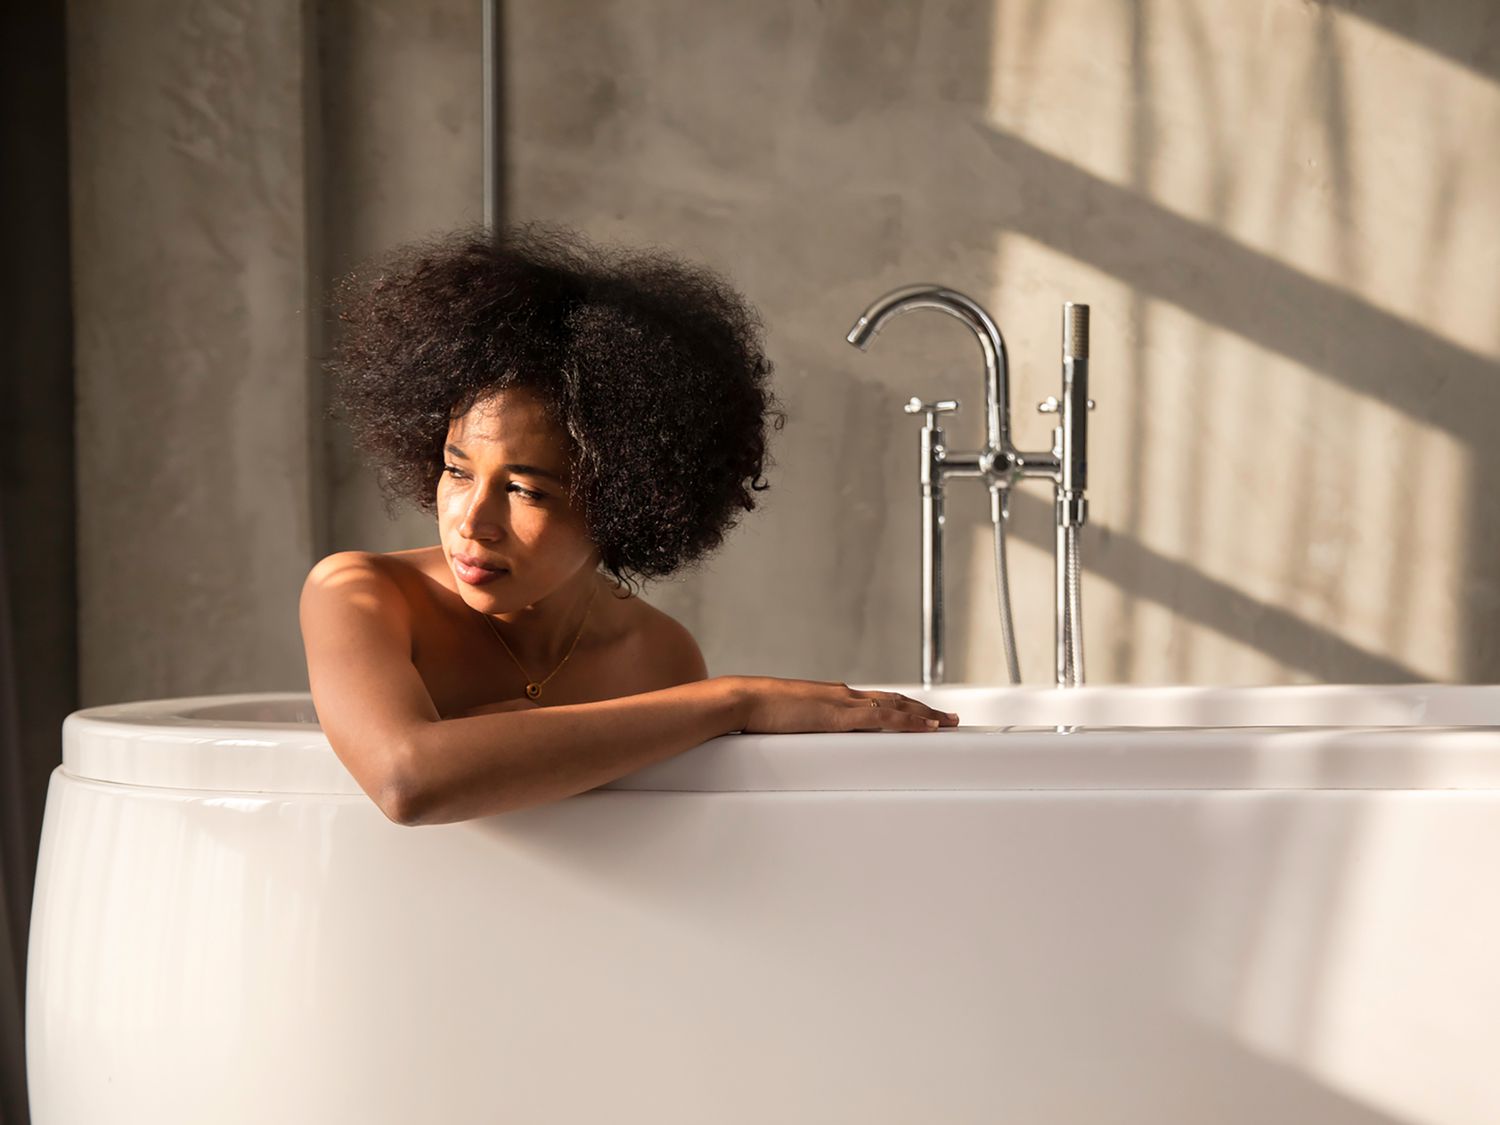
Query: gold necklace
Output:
(534,687)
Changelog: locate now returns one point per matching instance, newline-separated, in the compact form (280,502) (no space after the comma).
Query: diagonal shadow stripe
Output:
(1223,282)
(1141,572)
(1321,327)
(1464,31)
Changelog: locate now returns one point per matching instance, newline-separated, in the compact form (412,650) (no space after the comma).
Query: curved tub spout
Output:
(966,309)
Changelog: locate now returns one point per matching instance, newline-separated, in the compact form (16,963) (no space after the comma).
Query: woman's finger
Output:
(893,699)
(872,714)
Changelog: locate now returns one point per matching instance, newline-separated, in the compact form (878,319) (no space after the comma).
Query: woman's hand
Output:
(775,706)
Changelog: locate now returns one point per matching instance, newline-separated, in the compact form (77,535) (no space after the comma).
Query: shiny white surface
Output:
(1295,922)
(1400,736)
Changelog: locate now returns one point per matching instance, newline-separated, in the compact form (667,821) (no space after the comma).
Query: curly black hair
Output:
(653,368)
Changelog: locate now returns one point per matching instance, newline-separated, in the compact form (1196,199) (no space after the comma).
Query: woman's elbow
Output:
(398,803)
(395,789)
(411,796)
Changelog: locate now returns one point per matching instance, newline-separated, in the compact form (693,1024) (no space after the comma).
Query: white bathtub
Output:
(1186,905)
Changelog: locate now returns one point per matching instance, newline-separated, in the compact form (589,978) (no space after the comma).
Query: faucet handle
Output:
(1050,405)
(931,409)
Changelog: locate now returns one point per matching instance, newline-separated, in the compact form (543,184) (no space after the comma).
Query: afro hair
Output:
(653,368)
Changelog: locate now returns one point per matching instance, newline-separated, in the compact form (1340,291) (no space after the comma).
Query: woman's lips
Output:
(475,574)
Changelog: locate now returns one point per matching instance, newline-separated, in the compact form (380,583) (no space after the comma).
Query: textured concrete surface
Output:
(1283,216)
(191,287)
(402,140)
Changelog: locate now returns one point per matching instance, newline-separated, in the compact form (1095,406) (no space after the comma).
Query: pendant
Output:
(533,691)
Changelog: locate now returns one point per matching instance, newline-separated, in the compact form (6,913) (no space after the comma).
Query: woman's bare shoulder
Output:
(384,577)
(395,566)
(667,649)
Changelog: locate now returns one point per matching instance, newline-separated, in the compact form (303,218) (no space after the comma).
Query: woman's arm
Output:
(496,708)
(423,769)
(480,765)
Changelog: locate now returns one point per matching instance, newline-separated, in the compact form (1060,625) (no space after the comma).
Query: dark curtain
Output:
(38,597)
(15,877)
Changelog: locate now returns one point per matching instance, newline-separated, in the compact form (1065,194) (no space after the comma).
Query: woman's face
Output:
(508,528)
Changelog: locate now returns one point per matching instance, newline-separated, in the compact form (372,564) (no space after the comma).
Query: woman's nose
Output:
(483,517)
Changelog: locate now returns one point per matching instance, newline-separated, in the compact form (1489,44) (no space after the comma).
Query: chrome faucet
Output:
(1000,465)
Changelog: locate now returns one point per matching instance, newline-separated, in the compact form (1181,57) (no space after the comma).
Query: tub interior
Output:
(290,710)
(1142,707)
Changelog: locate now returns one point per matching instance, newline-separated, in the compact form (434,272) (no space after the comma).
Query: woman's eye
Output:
(525,493)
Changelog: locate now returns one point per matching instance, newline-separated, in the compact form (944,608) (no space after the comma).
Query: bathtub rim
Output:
(159,744)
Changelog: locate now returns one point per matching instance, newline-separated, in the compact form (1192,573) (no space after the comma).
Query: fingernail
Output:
(931,723)
(951,714)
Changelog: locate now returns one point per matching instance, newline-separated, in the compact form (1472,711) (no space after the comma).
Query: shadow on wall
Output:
(1368,468)
(1219,281)
(1466,33)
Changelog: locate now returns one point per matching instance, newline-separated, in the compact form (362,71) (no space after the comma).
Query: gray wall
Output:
(1282,214)
(402,120)
(193,260)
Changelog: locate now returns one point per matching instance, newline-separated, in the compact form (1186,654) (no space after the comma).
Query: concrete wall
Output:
(402,123)
(1282,214)
(191,255)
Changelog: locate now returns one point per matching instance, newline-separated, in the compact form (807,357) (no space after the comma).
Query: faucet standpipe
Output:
(934,457)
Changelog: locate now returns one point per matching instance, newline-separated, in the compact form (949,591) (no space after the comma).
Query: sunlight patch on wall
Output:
(1327,143)
(1240,502)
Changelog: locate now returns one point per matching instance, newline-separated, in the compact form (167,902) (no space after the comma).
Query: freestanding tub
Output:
(1104,905)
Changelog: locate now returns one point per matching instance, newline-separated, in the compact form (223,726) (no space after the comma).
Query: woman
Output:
(577,420)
